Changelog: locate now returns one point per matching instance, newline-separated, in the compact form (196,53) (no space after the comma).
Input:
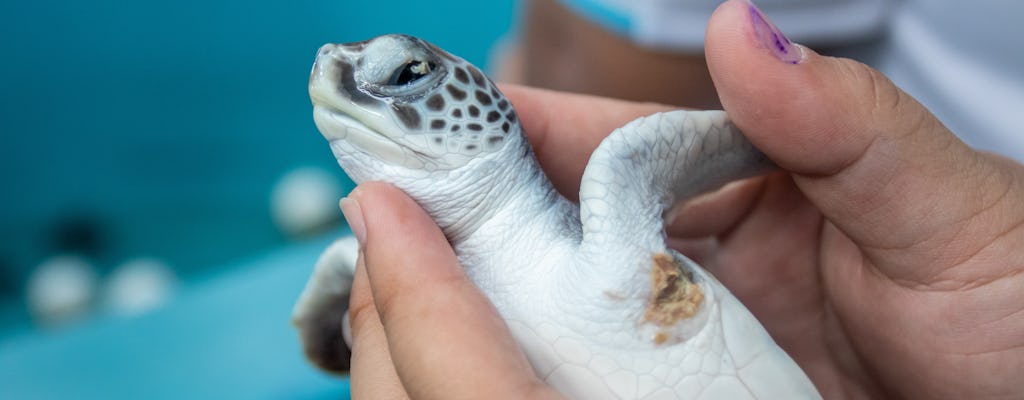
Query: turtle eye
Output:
(411,72)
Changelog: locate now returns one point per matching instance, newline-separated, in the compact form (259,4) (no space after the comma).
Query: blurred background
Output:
(165,192)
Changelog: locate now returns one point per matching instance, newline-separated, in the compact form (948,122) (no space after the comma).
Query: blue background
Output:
(163,126)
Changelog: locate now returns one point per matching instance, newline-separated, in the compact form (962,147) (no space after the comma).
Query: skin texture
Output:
(886,260)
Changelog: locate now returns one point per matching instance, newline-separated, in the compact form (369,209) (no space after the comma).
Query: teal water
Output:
(226,337)
(161,126)
(159,129)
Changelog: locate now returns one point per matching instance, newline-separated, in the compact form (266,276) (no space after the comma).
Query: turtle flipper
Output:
(633,178)
(321,313)
(643,168)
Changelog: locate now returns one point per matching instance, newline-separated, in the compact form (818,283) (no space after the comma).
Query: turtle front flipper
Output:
(674,308)
(321,313)
(641,169)
(634,178)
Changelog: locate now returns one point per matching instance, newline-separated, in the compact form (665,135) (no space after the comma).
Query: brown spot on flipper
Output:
(660,338)
(674,295)
(614,296)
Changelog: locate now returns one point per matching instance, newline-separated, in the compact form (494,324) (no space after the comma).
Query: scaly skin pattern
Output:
(601,306)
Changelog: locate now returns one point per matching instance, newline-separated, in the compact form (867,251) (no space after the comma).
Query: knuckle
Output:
(883,96)
(890,106)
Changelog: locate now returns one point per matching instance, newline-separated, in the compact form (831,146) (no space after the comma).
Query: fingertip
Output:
(794,105)
(404,246)
(380,197)
(872,159)
(426,306)
(393,219)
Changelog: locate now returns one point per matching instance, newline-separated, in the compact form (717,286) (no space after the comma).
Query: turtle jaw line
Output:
(339,126)
(343,119)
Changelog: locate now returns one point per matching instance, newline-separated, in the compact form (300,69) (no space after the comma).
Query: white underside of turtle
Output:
(601,306)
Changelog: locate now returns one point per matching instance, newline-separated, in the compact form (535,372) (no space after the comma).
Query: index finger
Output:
(445,338)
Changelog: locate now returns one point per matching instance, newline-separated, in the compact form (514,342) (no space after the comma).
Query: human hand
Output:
(419,328)
(885,261)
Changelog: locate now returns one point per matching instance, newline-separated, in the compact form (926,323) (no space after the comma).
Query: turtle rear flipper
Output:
(321,313)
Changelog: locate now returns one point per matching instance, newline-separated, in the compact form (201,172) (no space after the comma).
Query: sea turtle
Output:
(597,301)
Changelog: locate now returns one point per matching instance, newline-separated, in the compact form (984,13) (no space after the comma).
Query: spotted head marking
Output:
(406,102)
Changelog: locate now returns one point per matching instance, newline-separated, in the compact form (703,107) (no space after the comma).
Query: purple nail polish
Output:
(770,37)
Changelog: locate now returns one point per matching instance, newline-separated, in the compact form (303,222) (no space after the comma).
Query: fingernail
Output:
(354,215)
(769,36)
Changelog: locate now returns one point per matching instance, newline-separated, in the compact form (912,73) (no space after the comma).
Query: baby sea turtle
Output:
(601,306)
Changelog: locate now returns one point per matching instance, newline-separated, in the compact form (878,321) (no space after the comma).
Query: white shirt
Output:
(961,59)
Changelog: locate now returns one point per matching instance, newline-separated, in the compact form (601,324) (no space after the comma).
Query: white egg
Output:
(138,286)
(61,290)
(305,200)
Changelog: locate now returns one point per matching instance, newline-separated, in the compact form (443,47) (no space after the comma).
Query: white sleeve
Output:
(679,25)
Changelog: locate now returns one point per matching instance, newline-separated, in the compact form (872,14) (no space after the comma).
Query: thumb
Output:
(878,165)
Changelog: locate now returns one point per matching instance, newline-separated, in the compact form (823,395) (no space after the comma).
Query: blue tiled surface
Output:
(225,337)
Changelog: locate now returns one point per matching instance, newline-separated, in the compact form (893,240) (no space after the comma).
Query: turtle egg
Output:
(61,290)
(138,286)
(305,200)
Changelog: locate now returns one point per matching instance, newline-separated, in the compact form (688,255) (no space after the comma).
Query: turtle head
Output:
(399,101)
